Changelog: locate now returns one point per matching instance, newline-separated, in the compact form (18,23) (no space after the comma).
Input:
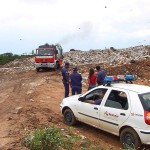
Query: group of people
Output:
(74,80)
(96,78)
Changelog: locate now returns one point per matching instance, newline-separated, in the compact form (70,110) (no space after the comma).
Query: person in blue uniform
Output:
(65,78)
(76,81)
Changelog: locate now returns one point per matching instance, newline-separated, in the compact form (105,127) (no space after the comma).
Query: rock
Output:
(31,100)
(132,61)
(49,119)
(9,118)
(18,110)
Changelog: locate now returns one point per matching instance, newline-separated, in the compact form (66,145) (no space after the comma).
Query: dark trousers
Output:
(66,86)
(91,87)
(102,83)
(76,90)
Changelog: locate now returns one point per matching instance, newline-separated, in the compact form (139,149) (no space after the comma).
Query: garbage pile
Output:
(18,65)
(113,57)
(133,60)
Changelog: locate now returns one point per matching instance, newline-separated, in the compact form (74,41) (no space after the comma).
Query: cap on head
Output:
(67,64)
(75,68)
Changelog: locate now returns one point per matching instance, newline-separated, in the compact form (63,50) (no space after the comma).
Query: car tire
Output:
(69,117)
(130,139)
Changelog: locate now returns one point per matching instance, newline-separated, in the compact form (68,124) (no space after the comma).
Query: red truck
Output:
(48,56)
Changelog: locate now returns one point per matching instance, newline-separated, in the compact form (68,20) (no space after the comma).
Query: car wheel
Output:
(69,117)
(130,139)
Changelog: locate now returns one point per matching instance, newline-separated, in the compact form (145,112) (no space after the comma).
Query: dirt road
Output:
(29,100)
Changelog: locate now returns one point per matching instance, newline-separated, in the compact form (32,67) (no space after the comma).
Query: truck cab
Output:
(48,56)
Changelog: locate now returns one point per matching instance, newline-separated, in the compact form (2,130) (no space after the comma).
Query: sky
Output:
(77,24)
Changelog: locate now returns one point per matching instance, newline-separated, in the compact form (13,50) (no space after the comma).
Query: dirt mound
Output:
(141,69)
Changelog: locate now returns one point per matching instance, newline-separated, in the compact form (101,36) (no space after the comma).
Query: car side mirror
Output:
(81,99)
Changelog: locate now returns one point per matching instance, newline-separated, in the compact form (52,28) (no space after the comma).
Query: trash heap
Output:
(134,60)
(113,57)
(18,65)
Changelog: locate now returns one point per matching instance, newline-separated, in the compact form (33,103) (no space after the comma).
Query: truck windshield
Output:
(145,100)
(44,52)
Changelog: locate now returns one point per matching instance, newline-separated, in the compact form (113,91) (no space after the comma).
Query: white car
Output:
(124,111)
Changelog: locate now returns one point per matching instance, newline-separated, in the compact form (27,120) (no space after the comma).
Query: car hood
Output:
(72,98)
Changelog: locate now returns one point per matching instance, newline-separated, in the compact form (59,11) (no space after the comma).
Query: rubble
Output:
(108,56)
(18,65)
(135,60)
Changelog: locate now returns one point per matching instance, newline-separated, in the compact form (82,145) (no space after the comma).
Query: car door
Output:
(89,113)
(115,111)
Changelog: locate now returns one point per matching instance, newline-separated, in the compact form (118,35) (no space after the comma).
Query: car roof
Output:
(132,87)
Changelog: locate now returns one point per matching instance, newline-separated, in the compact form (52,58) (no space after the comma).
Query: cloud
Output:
(80,23)
(35,2)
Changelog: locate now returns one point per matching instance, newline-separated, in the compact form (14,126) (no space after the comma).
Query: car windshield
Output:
(44,52)
(145,100)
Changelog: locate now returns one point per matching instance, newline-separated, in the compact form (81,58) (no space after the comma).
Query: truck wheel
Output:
(130,139)
(56,66)
(37,69)
(69,117)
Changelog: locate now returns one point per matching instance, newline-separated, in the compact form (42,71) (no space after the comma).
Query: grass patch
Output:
(57,139)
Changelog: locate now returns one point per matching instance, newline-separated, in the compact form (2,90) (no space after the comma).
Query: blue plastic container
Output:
(129,77)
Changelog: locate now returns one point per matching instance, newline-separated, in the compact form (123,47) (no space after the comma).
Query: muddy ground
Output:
(29,99)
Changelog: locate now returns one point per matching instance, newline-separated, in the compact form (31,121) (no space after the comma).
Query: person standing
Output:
(100,75)
(92,79)
(65,76)
(76,81)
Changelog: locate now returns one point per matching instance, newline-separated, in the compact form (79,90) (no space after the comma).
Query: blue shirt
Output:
(97,101)
(100,77)
(65,75)
(75,79)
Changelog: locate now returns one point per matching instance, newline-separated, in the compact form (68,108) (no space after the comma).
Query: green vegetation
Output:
(7,57)
(56,139)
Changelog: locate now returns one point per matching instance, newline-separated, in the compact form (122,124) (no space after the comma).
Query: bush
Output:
(7,57)
(47,139)
(55,139)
